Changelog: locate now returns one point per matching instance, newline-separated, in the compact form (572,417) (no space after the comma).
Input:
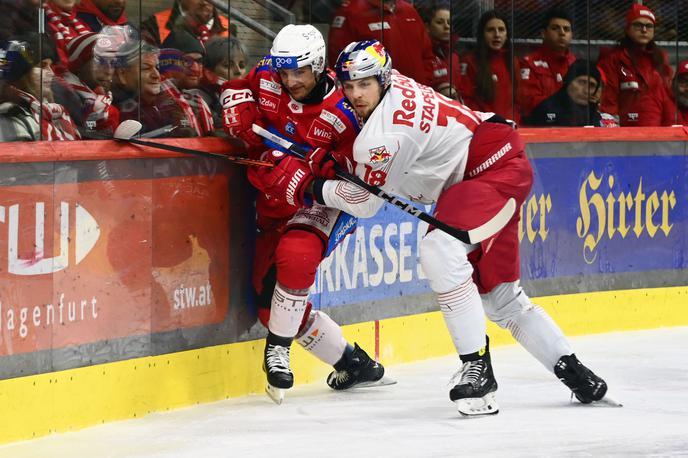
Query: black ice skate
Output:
(585,385)
(276,366)
(356,368)
(474,394)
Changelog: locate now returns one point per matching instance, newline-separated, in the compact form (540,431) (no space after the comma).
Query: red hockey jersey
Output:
(330,124)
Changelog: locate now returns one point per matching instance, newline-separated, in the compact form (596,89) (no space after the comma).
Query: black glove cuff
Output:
(318,184)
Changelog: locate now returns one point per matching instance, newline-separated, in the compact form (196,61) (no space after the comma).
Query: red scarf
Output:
(56,123)
(168,87)
(63,27)
(203,33)
(97,110)
(87,6)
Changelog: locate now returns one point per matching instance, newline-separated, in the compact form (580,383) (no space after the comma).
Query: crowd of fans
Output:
(92,68)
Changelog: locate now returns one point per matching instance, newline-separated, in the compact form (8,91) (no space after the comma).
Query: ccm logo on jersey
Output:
(233,97)
(320,132)
(269,103)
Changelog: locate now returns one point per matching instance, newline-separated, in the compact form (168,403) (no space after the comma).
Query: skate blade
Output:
(384,381)
(276,394)
(606,401)
(473,407)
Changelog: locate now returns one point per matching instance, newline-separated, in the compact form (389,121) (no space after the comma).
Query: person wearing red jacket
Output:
(99,13)
(638,75)
(680,87)
(543,71)
(446,72)
(486,83)
(292,94)
(395,23)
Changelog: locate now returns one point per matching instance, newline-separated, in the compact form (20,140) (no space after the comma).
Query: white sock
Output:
(535,330)
(464,316)
(286,312)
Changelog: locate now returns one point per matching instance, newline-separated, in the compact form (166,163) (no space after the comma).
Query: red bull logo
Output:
(378,52)
(379,155)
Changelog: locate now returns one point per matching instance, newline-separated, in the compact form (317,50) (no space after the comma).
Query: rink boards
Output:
(603,240)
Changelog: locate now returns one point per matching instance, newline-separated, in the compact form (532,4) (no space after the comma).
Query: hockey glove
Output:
(322,163)
(285,183)
(239,112)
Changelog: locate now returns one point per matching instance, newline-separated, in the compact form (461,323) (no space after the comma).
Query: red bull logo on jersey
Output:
(379,155)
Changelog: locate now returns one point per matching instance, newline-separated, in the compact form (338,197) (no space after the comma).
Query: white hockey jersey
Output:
(414,145)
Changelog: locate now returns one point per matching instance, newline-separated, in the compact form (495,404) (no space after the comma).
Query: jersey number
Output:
(374,177)
(448,108)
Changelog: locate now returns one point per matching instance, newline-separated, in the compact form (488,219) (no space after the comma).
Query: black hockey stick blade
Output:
(483,232)
(123,134)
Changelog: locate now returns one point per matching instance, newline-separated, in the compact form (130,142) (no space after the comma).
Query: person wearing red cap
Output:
(85,89)
(543,71)
(680,87)
(638,75)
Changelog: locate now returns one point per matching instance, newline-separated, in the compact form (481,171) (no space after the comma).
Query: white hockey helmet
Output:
(297,46)
(361,59)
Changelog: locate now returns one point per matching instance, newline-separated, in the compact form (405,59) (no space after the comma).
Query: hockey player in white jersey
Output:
(422,146)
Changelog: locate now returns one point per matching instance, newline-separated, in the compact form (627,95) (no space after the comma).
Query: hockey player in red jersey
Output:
(469,163)
(292,93)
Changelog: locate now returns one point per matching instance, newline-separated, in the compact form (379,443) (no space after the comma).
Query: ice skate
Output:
(357,369)
(584,384)
(474,394)
(276,367)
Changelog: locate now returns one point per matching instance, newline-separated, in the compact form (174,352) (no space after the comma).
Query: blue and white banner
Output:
(585,216)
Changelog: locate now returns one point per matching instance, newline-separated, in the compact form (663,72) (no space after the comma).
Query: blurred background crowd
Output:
(74,69)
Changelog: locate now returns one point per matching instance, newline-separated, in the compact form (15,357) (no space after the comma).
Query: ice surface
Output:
(646,370)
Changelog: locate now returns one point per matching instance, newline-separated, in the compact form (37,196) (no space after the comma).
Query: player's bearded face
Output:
(299,82)
(364,95)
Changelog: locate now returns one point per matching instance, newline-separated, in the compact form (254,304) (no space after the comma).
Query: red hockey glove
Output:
(322,163)
(239,112)
(285,183)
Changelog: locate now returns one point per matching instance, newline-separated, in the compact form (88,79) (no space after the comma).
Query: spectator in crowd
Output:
(181,60)
(63,24)
(486,74)
(236,65)
(99,13)
(575,104)
(225,60)
(446,74)
(18,16)
(542,72)
(638,75)
(85,89)
(395,23)
(200,17)
(137,87)
(680,87)
(27,110)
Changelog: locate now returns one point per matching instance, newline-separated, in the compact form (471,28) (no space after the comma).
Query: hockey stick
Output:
(129,128)
(471,236)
